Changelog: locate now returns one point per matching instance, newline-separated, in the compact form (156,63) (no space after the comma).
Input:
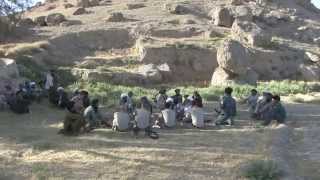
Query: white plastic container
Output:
(197,116)
(169,117)
(121,120)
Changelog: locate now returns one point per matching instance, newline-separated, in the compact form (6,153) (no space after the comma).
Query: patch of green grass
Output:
(110,94)
(262,170)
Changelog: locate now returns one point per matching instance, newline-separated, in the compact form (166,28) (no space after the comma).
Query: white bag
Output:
(121,120)
(197,116)
(142,118)
(169,117)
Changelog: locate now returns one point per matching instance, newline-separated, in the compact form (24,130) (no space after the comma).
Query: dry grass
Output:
(31,147)
(27,48)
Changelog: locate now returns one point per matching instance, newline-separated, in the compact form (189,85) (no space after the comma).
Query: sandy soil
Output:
(31,148)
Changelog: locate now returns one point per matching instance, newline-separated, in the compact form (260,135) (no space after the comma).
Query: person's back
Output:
(161,100)
(229,106)
(197,116)
(92,114)
(121,121)
(142,118)
(169,117)
(20,105)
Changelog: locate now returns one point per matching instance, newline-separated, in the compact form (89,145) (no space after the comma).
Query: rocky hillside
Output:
(157,41)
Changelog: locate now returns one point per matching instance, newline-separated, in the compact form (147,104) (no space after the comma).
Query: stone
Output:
(93,3)
(40,21)
(212,34)
(312,57)
(242,13)
(188,21)
(26,22)
(70,23)
(131,6)
(150,72)
(317,41)
(83,3)
(68,5)
(175,8)
(8,69)
(223,17)
(250,33)
(115,17)
(55,19)
(224,77)
(79,11)
(233,56)
(275,17)
(309,72)
(236,2)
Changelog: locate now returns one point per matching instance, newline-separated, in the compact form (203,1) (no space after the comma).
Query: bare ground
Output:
(31,148)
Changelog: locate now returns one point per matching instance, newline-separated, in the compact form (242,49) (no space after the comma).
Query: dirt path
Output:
(31,147)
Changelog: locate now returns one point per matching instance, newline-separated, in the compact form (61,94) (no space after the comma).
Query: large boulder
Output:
(312,57)
(135,6)
(250,33)
(233,56)
(26,22)
(275,17)
(242,13)
(8,69)
(55,19)
(309,72)
(151,73)
(9,73)
(224,77)
(40,21)
(223,17)
(83,3)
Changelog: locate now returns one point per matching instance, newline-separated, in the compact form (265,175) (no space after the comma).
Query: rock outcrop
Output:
(55,19)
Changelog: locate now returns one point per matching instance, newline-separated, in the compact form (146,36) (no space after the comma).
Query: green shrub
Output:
(262,170)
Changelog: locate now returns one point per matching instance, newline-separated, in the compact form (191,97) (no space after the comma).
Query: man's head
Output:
(177,91)
(228,90)
(276,98)
(130,93)
(254,92)
(196,93)
(162,91)
(84,93)
(95,103)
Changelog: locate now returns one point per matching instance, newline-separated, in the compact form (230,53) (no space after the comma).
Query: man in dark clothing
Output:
(63,98)
(228,108)
(276,111)
(177,98)
(196,97)
(19,105)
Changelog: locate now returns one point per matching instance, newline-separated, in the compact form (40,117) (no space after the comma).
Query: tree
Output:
(12,9)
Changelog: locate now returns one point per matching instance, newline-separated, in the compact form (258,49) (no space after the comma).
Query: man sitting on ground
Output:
(276,112)
(74,123)
(252,101)
(228,108)
(197,114)
(121,120)
(161,99)
(19,104)
(92,115)
(169,115)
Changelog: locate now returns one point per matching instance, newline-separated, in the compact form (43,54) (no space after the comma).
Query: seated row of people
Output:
(19,99)
(267,107)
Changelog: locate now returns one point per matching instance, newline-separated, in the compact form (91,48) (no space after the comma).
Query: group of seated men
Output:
(165,111)
(267,107)
(19,99)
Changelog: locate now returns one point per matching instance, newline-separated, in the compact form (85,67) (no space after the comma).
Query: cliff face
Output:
(219,41)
